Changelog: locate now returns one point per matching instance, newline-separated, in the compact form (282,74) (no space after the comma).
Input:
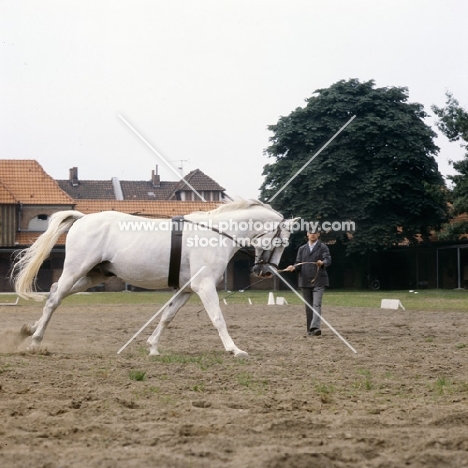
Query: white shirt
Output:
(311,246)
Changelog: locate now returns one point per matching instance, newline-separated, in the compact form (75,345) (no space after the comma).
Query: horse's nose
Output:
(257,270)
(263,271)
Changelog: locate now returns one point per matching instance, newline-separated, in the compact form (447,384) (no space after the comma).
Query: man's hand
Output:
(290,268)
(320,263)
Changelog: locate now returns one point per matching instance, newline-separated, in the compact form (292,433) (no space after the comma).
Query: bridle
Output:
(259,258)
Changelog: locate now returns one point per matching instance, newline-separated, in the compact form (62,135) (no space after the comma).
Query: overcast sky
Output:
(202,79)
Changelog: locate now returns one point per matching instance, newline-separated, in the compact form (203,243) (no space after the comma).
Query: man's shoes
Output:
(315,332)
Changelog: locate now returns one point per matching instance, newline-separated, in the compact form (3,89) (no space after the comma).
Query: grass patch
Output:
(324,388)
(460,345)
(443,386)
(426,299)
(198,388)
(247,380)
(138,375)
(366,382)
(325,391)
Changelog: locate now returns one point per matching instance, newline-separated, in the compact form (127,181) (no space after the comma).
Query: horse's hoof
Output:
(26,331)
(154,352)
(241,354)
(34,346)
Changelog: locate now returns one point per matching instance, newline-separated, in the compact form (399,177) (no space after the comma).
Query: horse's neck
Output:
(241,223)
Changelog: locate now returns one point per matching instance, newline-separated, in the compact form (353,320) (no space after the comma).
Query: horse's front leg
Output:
(208,295)
(166,318)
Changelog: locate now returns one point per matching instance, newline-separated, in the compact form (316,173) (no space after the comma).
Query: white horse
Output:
(137,250)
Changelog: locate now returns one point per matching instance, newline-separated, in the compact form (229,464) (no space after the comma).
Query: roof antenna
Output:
(181,167)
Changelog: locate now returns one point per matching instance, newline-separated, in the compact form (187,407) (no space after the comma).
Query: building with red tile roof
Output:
(29,184)
(152,189)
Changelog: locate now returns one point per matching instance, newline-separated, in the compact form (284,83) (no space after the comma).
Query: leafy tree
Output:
(453,122)
(380,172)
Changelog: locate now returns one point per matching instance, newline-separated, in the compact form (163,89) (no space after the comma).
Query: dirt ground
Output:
(297,401)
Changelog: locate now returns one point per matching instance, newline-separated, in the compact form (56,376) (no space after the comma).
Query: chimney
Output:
(155,178)
(74,176)
(118,194)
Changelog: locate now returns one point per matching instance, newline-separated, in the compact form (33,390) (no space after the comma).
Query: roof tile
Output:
(199,181)
(29,184)
(6,196)
(88,189)
(145,190)
(29,237)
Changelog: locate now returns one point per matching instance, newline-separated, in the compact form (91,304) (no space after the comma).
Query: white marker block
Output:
(281,301)
(271,299)
(250,301)
(391,304)
(10,303)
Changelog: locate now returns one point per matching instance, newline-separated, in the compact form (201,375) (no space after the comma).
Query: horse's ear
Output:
(291,223)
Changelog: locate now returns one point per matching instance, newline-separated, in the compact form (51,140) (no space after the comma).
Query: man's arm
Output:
(296,267)
(326,257)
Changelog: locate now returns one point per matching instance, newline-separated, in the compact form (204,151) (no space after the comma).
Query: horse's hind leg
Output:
(55,298)
(30,329)
(166,318)
(58,291)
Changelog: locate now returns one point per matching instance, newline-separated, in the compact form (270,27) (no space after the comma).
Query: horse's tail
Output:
(28,261)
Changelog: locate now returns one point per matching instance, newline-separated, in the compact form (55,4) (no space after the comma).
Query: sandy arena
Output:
(296,402)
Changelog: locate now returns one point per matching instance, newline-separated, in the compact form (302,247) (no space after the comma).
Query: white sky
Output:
(202,79)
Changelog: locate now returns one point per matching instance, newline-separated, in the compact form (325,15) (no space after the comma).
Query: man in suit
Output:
(312,261)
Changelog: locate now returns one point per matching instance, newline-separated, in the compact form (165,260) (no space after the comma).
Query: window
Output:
(39,223)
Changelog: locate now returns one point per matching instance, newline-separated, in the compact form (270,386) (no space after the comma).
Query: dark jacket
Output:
(308,271)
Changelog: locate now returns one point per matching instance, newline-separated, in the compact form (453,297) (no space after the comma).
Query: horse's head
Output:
(269,247)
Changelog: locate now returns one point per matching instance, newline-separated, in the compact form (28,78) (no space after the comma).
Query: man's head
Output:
(313,236)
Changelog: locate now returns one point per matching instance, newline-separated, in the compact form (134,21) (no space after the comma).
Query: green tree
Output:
(380,172)
(453,122)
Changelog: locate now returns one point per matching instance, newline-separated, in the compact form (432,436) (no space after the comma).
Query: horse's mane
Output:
(239,204)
